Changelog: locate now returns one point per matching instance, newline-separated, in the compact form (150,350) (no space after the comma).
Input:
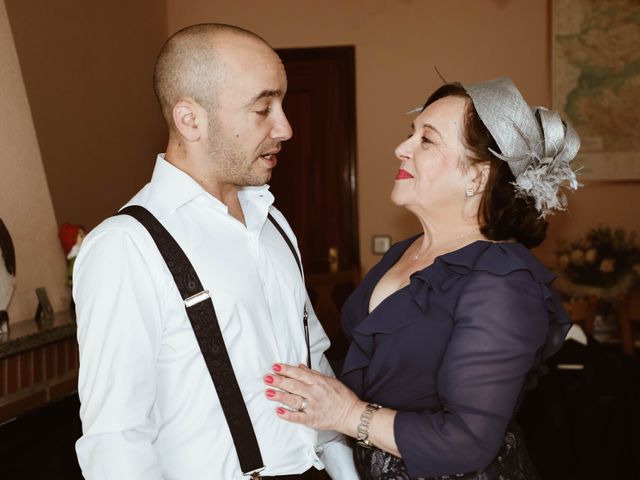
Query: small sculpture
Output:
(7,276)
(71,237)
(44,314)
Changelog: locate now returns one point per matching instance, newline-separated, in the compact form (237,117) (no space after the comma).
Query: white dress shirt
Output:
(149,408)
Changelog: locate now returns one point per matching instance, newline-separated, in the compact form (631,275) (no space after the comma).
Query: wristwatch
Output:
(362,438)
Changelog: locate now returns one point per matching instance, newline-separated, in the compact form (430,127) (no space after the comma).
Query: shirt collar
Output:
(169,178)
(255,201)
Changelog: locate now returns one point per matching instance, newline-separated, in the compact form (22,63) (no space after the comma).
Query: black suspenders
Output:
(305,315)
(204,322)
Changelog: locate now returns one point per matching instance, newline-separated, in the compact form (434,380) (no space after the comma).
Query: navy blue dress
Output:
(452,352)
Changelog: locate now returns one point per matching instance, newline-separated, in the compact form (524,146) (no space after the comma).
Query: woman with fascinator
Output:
(453,324)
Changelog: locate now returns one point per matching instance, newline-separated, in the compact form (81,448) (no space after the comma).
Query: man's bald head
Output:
(191,65)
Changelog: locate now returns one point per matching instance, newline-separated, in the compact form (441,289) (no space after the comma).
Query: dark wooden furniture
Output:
(583,312)
(629,314)
(39,421)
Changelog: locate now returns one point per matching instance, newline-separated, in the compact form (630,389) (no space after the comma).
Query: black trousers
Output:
(311,474)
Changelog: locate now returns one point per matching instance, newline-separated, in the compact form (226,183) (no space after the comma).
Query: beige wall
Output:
(398,42)
(88,67)
(614,204)
(25,204)
(87,71)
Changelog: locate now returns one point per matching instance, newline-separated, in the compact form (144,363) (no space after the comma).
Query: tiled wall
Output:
(34,377)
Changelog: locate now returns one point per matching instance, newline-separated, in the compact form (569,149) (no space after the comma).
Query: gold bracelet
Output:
(363,427)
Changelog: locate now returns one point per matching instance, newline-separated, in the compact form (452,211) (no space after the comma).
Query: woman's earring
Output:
(469,192)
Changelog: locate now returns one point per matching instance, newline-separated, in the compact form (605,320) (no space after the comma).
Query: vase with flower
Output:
(604,263)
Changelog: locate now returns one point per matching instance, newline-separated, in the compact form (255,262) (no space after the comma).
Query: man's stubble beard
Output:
(230,161)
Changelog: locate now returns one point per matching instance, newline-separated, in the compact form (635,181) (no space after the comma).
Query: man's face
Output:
(248,126)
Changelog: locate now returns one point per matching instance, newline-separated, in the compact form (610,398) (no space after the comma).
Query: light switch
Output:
(380,244)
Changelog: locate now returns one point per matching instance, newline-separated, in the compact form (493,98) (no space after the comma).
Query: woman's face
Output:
(430,177)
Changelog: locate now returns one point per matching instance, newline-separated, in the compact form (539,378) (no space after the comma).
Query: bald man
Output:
(149,408)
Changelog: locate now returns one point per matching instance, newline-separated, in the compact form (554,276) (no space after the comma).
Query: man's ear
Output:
(189,119)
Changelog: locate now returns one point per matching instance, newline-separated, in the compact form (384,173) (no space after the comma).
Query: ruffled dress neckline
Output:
(496,258)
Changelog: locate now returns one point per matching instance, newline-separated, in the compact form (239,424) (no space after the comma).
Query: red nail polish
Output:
(268,379)
(277,367)
(271,393)
(280,410)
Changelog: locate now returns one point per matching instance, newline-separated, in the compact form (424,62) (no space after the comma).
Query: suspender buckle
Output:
(255,474)
(197,298)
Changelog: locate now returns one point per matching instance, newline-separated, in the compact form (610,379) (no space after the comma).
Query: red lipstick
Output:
(403,175)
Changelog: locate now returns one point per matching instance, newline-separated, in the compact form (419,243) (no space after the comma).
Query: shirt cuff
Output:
(337,457)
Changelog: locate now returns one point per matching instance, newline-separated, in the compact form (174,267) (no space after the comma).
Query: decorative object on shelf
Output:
(71,237)
(7,276)
(4,323)
(605,263)
(44,313)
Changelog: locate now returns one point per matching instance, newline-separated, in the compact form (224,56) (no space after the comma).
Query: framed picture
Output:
(595,70)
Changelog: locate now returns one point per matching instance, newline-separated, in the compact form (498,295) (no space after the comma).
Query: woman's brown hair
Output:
(502,214)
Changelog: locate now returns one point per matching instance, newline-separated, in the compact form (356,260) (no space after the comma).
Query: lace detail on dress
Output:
(512,463)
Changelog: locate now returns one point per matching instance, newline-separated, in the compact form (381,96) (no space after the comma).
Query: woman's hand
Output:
(313,399)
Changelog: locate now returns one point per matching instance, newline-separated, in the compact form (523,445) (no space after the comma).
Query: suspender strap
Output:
(204,321)
(305,315)
(286,239)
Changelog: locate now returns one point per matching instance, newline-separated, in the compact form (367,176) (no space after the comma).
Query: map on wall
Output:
(596,82)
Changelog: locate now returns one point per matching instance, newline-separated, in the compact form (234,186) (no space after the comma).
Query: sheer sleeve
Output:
(500,324)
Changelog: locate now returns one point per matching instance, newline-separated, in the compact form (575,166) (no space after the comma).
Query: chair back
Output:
(583,312)
(629,314)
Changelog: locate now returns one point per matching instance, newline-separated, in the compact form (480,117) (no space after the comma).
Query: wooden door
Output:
(315,180)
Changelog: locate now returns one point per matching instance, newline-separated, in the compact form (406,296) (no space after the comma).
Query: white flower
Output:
(591,255)
(607,265)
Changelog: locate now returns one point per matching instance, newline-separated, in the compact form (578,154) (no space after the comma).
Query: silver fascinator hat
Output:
(536,143)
